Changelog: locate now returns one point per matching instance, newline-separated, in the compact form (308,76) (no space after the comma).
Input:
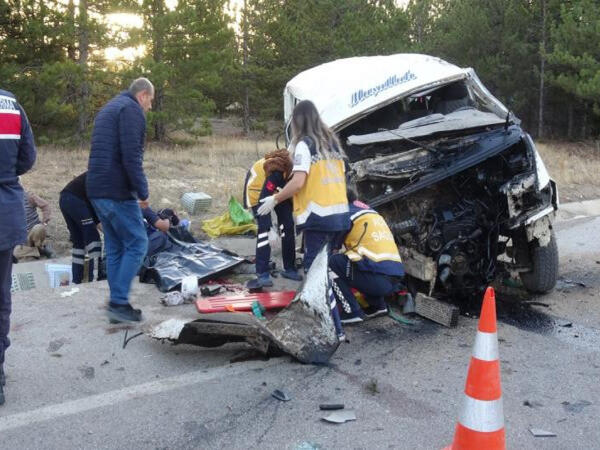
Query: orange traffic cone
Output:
(481,421)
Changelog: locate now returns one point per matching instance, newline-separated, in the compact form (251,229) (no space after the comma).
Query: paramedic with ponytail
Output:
(318,187)
(318,183)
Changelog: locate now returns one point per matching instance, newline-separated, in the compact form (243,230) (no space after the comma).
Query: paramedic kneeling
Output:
(370,263)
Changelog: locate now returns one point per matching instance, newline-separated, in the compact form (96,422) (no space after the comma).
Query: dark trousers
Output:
(313,243)
(84,234)
(5,303)
(285,220)
(374,286)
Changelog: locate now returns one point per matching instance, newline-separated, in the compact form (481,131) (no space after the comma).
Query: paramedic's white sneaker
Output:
(375,311)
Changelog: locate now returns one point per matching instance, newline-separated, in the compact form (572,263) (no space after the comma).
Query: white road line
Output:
(127,393)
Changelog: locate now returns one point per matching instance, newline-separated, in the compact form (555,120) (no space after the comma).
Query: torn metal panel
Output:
(417,264)
(540,230)
(304,329)
(393,167)
(432,124)
(514,190)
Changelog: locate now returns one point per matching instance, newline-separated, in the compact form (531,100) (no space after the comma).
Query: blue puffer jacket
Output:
(115,166)
(17,155)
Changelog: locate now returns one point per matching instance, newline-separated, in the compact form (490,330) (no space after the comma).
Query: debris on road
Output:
(331,406)
(537,432)
(174,298)
(304,329)
(341,416)
(70,292)
(281,395)
(532,404)
(127,339)
(243,302)
(576,407)
(436,310)
(210,289)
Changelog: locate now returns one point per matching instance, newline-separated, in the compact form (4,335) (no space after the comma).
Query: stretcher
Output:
(223,303)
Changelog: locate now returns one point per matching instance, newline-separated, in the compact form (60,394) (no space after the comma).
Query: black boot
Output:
(123,313)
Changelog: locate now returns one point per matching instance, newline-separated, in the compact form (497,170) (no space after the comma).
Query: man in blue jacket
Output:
(17,155)
(118,189)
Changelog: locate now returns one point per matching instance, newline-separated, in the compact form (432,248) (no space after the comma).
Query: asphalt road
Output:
(71,384)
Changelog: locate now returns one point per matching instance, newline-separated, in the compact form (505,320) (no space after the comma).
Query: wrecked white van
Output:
(461,184)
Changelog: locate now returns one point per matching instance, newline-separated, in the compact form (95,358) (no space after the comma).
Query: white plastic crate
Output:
(195,202)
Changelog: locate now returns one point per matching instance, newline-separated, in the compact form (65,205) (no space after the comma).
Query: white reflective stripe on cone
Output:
(484,416)
(262,244)
(262,235)
(486,346)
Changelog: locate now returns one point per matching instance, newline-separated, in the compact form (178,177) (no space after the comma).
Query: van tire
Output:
(544,262)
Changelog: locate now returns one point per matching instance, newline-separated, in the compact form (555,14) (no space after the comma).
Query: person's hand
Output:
(99,228)
(268,204)
(144,203)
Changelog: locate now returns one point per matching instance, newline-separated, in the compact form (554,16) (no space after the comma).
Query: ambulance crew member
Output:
(17,155)
(265,177)
(318,183)
(370,263)
(82,223)
(318,186)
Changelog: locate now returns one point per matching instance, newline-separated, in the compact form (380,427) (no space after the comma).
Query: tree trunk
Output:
(71,22)
(570,122)
(158,11)
(84,43)
(246,118)
(540,133)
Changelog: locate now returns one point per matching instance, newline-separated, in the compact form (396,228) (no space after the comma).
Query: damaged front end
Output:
(457,204)
(304,329)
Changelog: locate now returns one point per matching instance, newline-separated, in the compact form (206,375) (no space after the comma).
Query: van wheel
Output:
(544,263)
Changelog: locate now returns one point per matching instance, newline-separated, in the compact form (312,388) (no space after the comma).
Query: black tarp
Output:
(167,268)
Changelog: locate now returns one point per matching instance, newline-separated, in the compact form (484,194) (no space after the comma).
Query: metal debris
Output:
(341,416)
(304,329)
(537,432)
(281,395)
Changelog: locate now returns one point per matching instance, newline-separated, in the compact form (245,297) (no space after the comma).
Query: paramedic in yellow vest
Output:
(369,263)
(318,187)
(318,183)
(265,177)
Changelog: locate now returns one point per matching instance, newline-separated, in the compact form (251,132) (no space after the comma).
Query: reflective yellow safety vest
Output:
(254,183)
(371,243)
(322,203)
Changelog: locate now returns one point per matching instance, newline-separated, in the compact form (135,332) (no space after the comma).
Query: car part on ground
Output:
(304,329)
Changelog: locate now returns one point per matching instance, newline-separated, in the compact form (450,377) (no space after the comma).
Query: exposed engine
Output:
(455,225)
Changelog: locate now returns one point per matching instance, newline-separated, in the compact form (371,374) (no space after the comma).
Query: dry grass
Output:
(572,163)
(216,165)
